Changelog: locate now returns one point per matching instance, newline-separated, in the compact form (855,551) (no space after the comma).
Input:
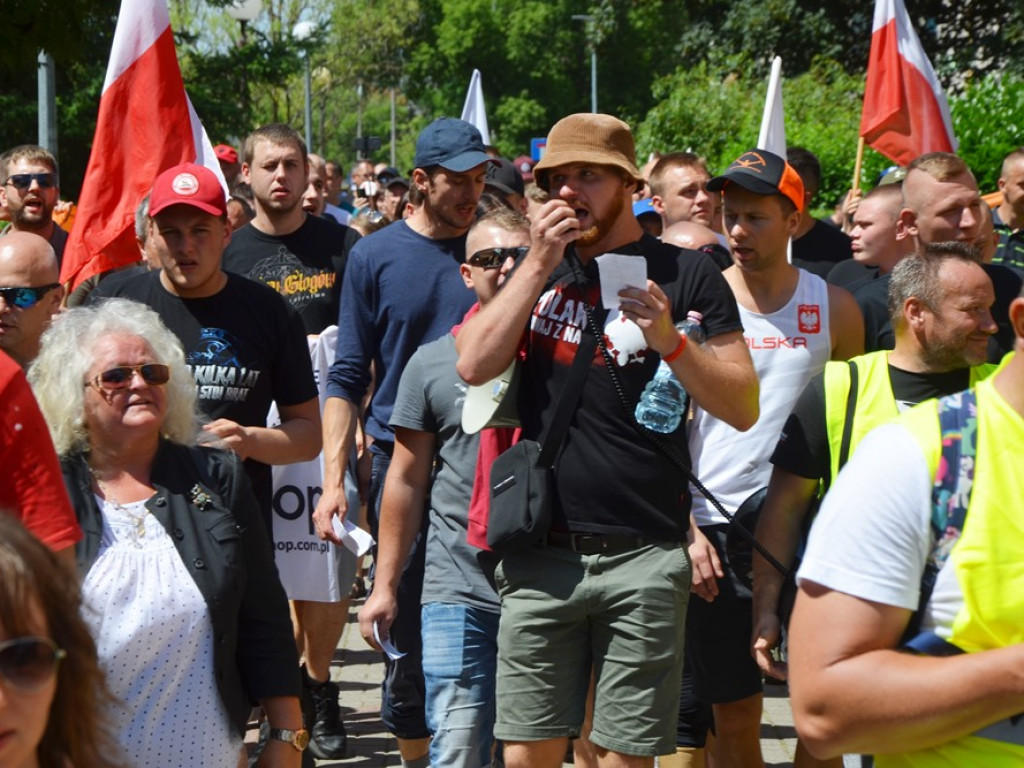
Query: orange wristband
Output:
(683,338)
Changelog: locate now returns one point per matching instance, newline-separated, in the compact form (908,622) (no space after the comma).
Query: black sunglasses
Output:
(494,258)
(25,297)
(154,374)
(22,181)
(29,663)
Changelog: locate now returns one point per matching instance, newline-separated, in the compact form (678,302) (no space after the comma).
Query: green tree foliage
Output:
(717,114)
(988,120)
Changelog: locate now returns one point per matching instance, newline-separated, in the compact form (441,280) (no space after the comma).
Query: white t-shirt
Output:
(873,534)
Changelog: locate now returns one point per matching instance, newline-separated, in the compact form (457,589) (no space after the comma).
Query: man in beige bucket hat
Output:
(605,589)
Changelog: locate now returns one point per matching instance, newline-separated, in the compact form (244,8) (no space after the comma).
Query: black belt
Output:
(596,543)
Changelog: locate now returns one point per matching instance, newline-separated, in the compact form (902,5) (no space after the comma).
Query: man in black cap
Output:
(504,180)
(402,289)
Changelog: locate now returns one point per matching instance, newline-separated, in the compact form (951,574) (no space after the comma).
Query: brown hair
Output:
(275,133)
(674,160)
(32,153)
(941,166)
(30,575)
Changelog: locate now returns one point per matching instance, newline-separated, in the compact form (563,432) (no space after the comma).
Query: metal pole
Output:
(359,117)
(593,79)
(47,104)
(309,105)
(393,132)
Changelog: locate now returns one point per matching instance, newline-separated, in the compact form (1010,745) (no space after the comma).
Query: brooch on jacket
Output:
(200,498)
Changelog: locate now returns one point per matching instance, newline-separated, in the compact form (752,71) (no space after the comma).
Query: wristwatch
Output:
(298,739)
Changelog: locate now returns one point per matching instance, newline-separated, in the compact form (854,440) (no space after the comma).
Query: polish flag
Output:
(905,110)
(146,124)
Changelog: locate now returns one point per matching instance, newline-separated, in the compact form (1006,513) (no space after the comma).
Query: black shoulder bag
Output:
(522,478)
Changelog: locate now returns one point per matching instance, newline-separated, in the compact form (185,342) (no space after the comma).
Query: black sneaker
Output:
(327,737)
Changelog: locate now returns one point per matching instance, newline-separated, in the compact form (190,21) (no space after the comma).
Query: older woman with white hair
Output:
(181,590)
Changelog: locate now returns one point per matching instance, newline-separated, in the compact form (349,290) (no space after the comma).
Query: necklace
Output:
(138,521)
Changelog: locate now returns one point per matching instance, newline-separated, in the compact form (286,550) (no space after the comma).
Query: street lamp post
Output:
(588,19)
(244,11)
(301,32)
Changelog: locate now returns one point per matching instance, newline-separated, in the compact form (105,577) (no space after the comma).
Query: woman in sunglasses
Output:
(190,617)
(50,680)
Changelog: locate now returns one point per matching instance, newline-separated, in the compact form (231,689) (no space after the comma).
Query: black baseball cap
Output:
(763,173)
(504,176)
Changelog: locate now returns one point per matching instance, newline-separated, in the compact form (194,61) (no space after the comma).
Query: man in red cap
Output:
(243,343)
(227,156)
(606,589)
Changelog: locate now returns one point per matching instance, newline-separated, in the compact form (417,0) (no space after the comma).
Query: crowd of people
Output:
(839,394)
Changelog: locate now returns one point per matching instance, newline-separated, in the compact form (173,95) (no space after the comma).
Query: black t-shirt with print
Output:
(244,346)
(610,479)
(305,266)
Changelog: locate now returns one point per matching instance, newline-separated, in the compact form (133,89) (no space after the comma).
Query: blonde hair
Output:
(58,374)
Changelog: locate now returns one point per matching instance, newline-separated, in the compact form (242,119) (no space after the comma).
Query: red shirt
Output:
(31,484)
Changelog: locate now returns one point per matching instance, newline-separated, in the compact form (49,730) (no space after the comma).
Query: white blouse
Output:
(155,640)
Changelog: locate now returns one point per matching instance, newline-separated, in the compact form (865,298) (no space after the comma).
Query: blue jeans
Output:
(460,652)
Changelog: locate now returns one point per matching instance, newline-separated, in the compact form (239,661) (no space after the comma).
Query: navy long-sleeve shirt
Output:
(401,290)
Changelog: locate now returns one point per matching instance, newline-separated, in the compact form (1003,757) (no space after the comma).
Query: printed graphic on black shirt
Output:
(219,375)
(298,283)
(560,316)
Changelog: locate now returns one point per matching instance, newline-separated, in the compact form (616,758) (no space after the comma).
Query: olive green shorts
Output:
(621,615)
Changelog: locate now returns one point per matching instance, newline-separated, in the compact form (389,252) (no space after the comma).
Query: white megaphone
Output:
(492,404)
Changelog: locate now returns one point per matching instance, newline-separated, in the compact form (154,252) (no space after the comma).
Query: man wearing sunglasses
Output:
(402,289)
(459,603)
(29,294)
(29,189)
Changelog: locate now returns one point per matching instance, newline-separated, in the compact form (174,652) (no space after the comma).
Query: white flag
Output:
(473,110)
(773,122)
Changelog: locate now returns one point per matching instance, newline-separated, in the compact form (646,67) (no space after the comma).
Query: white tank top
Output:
(788,347)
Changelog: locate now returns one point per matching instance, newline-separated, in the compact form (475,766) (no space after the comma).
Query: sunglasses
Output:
(494,258)
(25,297)
(22,181)
(154,374)
(29,663)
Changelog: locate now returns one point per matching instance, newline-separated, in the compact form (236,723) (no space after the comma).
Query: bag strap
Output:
(670,451)
(851,408)
(554,434)
(951,492)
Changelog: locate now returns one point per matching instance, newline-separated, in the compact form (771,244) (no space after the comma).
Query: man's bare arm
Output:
(339,430)
(778,530)
(853,692)
(401,513)
(296,438)
(846,323)
(488,342)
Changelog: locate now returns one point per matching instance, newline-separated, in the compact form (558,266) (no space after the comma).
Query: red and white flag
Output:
(146,124)
(905,110)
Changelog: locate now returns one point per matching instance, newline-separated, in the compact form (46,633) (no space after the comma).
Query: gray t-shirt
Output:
(430,397)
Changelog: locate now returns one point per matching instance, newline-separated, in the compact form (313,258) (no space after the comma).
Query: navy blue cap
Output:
(452,144)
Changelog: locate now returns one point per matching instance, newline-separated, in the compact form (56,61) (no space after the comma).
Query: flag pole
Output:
(856,167)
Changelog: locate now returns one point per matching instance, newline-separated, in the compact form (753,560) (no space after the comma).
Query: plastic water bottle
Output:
(663,401)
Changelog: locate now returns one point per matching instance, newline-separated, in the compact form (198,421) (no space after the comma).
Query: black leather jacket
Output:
(205,503)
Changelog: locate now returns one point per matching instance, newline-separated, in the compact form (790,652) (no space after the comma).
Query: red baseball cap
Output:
(226,153)
(188,184)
